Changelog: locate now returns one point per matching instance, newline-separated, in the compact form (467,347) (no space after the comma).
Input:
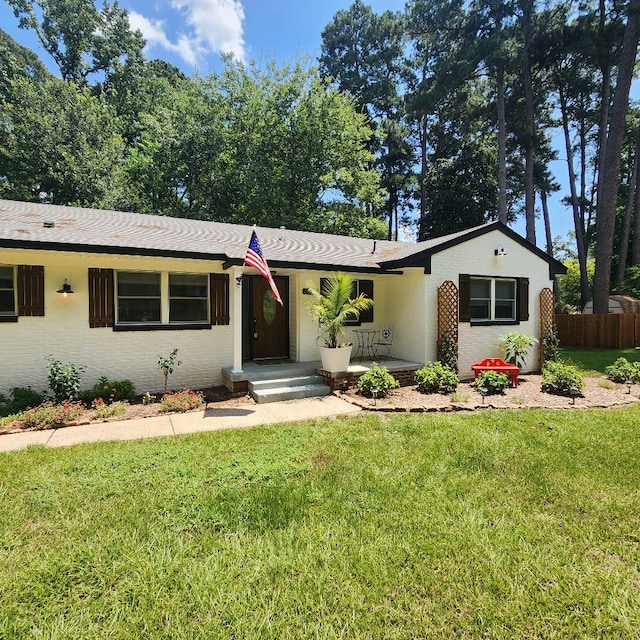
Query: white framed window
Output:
(493,299)
(160,298)
(7,291)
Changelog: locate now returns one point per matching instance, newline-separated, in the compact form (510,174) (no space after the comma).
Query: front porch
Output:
(238,381)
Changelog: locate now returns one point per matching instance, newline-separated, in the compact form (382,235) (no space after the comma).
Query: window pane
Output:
(186,310)
(139,284)
(6,302)
(480,310)
(505,310)
(187,286)
(138,310)
(505,290)
(480,288)
(6,278)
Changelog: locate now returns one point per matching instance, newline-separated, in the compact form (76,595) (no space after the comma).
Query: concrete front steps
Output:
(289,388)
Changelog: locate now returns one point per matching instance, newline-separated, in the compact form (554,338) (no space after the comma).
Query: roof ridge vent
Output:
(48,224)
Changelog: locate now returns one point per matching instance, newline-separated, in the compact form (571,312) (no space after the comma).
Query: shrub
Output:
(103,411)
(64,379)
(167,364)
(436,377)
(492,381)
(50,414)
(22,398)
(562,379)
(107,391)
(376,378)
(622,370)
(550,346)
(448,351)
(516,345)
(181,401)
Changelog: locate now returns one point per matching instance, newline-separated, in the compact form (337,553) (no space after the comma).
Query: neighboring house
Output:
(144,285)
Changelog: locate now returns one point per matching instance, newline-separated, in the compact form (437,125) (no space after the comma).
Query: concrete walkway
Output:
(180,423)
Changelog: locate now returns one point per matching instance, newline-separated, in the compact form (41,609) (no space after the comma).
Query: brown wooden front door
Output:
(268,321)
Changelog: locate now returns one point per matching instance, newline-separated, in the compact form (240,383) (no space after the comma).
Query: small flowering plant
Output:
(50,414)
(181,401)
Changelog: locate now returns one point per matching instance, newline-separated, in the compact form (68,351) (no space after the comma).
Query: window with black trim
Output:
(359,286)
(493,300)
(150,298)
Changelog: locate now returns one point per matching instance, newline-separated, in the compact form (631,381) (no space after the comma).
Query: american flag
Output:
(254,258)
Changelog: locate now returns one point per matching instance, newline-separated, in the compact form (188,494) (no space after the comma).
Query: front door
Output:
(268,329)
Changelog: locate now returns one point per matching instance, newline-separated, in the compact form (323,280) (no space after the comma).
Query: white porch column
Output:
(237,319)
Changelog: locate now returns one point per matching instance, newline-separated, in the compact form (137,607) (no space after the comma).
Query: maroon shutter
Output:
(464,305)
(30,290)
(100,298)
(366,287)
(219,293)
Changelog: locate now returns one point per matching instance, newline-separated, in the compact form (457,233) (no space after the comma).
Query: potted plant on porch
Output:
(332,307)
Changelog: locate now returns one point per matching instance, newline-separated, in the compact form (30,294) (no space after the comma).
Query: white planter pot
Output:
(334,360)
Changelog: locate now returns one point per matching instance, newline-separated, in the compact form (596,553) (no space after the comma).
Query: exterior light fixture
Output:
(66,288)
(629,383)
(483,392)
(499,251)
(238,280)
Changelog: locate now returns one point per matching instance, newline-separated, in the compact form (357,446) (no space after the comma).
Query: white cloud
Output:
(211,26)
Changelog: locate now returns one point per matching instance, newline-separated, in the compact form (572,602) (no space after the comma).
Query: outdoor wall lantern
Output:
(239,280)
(66,288)
(499,251)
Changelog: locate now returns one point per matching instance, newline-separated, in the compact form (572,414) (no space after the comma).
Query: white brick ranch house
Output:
(144,285)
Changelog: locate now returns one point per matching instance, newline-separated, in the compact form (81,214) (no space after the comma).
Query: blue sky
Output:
(192,34)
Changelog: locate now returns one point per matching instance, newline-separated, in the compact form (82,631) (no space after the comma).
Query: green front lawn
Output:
(499,524)
(596,359)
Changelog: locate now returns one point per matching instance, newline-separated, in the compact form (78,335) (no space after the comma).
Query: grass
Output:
(596,359)
(497,524)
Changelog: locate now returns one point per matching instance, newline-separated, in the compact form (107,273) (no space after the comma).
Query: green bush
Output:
(550,345)
(448,351)
(516,346)
(108,391)
(622,370)
(492,381)
(49,415)
(562,379)
(64,379)
(181,401)
(22,398)
(436,377)
(376,378)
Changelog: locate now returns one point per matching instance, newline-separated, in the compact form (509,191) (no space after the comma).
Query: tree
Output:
(60,144)
(81,40)
(605,221)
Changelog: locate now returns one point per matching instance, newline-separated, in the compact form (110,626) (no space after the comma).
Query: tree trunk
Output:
(628,211)
(547,221)
(502,144)
(605,220)
(605,98)
(530,141)
(578,218)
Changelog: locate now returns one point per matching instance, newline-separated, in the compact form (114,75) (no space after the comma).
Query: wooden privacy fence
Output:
(599,331)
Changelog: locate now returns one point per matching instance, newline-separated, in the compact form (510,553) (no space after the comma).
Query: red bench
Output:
(499,365)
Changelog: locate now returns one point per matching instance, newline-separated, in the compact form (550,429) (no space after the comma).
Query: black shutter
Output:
(219,293)
(100,297)
(366,287)
(523,299)
(30,290)
(464,305)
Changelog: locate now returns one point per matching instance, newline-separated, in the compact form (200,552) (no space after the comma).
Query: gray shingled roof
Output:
(22,225)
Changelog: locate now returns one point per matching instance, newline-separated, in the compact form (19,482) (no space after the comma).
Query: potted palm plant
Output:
(332,307)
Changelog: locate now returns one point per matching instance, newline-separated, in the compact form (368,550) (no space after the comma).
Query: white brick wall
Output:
(476,257)
(65,334)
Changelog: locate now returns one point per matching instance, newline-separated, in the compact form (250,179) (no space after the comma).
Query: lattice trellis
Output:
(547,318)
(448,324)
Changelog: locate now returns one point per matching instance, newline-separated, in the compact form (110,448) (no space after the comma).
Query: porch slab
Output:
(238,381)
